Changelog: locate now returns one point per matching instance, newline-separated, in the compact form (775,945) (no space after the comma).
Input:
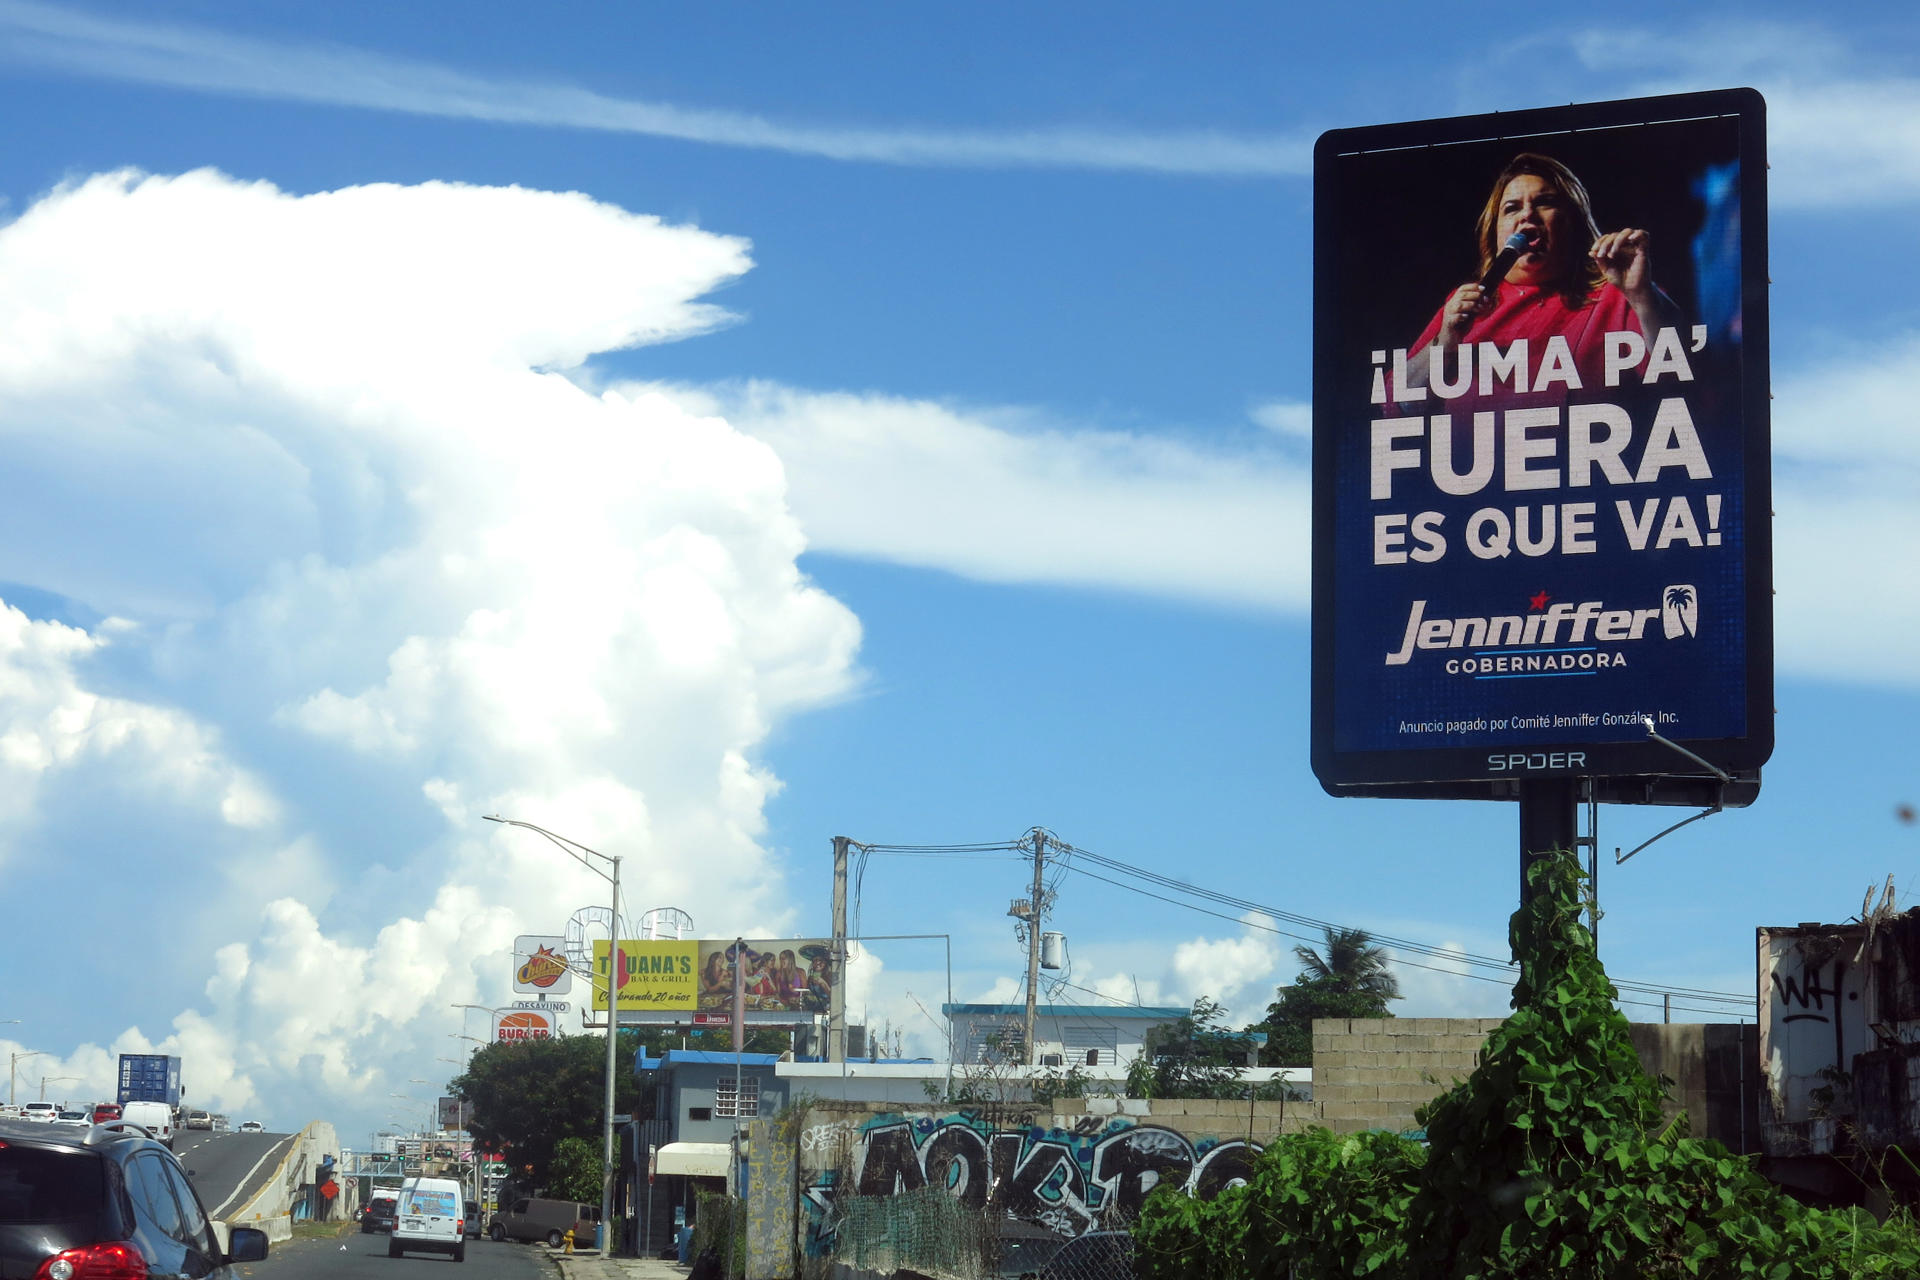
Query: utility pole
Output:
(837,993)
(1035,911)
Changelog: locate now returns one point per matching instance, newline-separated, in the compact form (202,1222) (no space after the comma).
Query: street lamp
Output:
(580,853)
(13,1061)
(46,1080)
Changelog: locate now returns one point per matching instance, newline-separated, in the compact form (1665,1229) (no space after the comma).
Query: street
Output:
(228,1169)
(354,1256)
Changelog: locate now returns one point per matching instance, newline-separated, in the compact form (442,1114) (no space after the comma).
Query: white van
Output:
(427,1219)
(155,1117)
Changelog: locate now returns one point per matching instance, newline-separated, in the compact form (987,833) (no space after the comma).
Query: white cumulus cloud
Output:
(317,458)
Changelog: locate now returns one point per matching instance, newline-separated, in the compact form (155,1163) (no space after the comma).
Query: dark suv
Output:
(105,1204)
(381,1214)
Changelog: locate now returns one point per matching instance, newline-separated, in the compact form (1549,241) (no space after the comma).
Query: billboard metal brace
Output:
(1708,812)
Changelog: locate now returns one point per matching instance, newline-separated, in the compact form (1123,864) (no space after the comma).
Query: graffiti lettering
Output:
(1133,1164)
(1808,993)
(887,1163)
(821,1137)
(1066,1181)
(955,1159)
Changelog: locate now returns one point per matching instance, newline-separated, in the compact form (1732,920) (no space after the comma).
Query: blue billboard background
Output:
(1565,547)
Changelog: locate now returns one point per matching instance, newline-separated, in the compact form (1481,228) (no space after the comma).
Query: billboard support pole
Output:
(1549,821)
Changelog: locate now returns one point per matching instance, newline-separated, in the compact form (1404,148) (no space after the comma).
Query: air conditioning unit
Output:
(1053,1060)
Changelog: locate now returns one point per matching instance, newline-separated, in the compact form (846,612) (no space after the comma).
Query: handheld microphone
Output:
(1517,244)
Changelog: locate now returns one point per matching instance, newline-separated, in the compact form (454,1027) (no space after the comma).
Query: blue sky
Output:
(704,431)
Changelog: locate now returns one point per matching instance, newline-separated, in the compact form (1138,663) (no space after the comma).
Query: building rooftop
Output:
(1158,1013)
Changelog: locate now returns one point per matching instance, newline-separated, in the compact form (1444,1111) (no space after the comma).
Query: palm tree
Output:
(1351,963)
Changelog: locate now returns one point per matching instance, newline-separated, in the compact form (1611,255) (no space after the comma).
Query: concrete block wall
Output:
(1194,1117)
(1372,1073)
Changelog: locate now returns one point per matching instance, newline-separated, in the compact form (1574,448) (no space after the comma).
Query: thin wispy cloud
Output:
(1834,105)
(204,60)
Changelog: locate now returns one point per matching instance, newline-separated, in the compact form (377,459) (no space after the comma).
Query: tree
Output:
(575,1171)
(528,1095)
(1554,1158)
(1353,979)
(1289,1024)
(1191,1057)
(1352,963)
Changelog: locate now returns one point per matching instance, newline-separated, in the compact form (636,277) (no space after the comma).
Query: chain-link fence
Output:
(925,1229)
(720,1225)
(931,1232)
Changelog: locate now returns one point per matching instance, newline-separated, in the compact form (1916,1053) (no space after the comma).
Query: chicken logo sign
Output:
(522,1024)
(540,965)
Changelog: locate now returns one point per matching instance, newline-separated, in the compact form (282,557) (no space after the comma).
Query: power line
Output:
(1459,963)
(1397,943)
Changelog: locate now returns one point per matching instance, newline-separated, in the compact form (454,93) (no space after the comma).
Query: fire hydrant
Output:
(566,1241)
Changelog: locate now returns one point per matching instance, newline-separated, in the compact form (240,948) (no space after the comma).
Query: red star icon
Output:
(1538,602)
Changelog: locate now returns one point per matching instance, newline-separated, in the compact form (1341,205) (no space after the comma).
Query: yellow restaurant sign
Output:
(654,975)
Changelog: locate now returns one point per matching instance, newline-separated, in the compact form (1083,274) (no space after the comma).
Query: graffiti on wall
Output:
(1065,1180)
(1814,1021)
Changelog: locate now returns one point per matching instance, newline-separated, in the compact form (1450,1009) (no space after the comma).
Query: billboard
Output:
(523,1024)
(1541,467)
(660,975)
(777,975)
(540,964)
(454,1113)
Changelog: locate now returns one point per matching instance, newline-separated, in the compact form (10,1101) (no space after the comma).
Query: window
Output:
(1095,1046)
(40,1186)
(147,1183)
(744,1102)
(699,1113)
(193,1222)
(992,1042)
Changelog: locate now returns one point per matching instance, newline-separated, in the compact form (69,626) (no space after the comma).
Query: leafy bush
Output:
(1552,1159)
(575,1171)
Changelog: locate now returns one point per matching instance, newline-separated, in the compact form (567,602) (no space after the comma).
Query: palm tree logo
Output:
(1679,612)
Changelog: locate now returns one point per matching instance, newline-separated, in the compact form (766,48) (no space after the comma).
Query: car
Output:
(535,1219)
(251,1126)
(378,1215)
(105,1111)
(1022,1249)
(155,1117)
(40,1112)
(1097,1255)
(77,1119)
(198,1120)
(106,1201)
(470,1216)
(429,1219)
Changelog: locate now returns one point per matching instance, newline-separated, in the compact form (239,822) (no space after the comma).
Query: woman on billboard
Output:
(1546,271)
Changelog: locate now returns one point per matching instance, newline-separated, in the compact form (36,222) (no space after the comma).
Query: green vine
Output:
(1553,1159)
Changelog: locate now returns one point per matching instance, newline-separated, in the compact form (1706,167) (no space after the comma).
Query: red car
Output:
(106,1111)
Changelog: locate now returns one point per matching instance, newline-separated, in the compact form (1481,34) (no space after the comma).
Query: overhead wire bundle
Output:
(1180,893)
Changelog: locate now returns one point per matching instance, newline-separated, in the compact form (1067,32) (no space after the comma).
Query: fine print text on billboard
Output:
(1541,477)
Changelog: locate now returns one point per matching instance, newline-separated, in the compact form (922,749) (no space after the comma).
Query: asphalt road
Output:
(364,1257)
(228,1169)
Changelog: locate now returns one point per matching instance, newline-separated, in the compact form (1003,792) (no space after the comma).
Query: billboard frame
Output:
(1642,771)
